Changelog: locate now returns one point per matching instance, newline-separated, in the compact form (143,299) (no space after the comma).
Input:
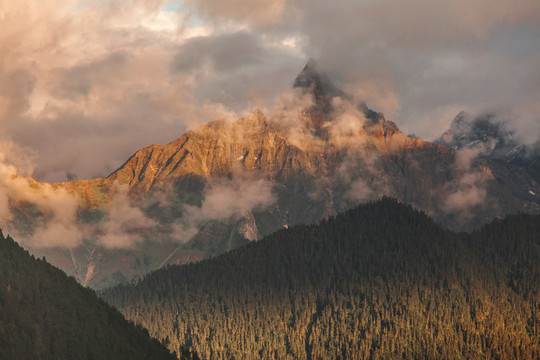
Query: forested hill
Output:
(46,315)
(381,281)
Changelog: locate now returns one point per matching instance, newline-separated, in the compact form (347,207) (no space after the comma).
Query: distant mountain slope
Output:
(379,281)
(515,166)
(46,315)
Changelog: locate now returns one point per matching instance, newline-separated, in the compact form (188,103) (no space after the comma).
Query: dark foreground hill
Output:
(46,315)
(382,281)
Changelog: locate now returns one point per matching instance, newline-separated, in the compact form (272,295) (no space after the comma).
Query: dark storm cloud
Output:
(224,53)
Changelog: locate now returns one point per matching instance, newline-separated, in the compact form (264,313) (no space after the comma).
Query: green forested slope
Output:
(377,282)
(46,315)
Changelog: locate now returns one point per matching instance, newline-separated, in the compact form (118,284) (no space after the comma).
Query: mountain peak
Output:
(312,80)
(482,132)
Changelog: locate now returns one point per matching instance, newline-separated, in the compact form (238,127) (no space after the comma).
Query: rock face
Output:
(231,182)
(211,151)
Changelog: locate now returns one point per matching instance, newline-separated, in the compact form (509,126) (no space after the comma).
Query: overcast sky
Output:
(85,83)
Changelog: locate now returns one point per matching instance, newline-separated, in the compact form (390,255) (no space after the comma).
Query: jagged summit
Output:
(323,90)
(311,78)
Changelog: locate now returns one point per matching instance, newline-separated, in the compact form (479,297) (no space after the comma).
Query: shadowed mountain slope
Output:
(46,315)
(379,281)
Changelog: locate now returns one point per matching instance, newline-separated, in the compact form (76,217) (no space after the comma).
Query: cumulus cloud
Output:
(249,77)
(361,191)
(96,80)
(52,212)
(215,52)
(232,198)
(380,94)
(91,83)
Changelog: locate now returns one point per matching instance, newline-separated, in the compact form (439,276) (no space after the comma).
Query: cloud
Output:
(251,76)
(225,200)
(469,193)
(288,115)
(380,94)
(53,212)
(260,13)
(469,189)
(58,233)
(436,57)
(57,224)
(124,222)
(346,130)
(93,81)
(524,122)
(16,159)
(15,87)
(216,52)
(419,62)
(228,198)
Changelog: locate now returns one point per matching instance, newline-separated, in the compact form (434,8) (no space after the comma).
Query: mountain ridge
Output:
(229,182)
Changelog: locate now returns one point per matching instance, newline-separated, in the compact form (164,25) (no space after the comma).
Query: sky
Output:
(86,83)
